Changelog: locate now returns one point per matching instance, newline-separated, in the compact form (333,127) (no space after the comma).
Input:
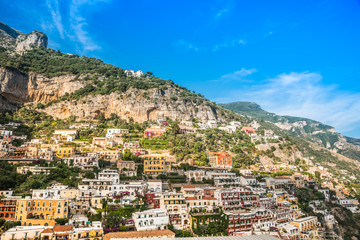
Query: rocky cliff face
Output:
(132,104)
(21,88)
(15,40)
(25,42)
(141,105)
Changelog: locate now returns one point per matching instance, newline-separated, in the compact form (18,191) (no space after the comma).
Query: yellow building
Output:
(94,232)
(32,152)
(306,224)
(156,164)
(96,202)
(296,211)
(36,212)
(282,197)
(64,152)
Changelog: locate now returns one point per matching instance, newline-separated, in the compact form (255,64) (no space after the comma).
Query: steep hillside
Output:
(311,130)
(83,88)
(65,85)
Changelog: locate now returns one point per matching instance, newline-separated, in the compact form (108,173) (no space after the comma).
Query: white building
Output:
(114,131)
(132,73)
(154,185)
(85,163)
(175,204)
(289,230)
(235,123)
(197,175)
(248,180)
(212,124)
(23,232)
(154,219)
(4,132)
(107,174)
(66,133)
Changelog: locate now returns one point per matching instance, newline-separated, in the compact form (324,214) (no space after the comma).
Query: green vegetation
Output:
(194,147)
(154,144)
(211,224)
(306,133)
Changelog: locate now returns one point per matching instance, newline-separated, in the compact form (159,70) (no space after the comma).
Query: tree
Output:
(103,163)
(171,227)
(2,221)
(89,175)
(10,224)
(61,221)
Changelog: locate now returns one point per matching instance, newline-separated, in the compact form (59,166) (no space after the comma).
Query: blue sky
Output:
(296,58)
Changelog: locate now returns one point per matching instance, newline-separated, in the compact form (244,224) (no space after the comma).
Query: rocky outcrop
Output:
(132,104)
(141,105)
(25,42)
(15,40)
(21,88)
(5,105)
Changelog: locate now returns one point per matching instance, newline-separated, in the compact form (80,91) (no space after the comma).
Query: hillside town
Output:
(127,184)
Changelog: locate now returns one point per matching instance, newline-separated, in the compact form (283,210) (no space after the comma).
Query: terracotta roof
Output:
(126,161)
(188,186)
(47,230)
(141,234)
(209,198)
(63,228)
(190,198)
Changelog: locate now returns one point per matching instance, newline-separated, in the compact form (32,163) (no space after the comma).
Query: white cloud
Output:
(304,95)
(225,9)
(78,24)
(222,12)
(236,76)
(229,43)
(56,16)
(186,45)
(268,34)
(75,28)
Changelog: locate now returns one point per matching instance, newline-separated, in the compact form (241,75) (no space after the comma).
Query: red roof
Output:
(209,198)
(190,198)
(63,228)
(47,230)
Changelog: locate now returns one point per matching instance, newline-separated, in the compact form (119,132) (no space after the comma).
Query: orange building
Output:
(8,209)
(248,130)
(154,132)
(219,159)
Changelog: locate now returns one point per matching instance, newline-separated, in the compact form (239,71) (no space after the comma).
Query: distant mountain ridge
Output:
(314,131)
